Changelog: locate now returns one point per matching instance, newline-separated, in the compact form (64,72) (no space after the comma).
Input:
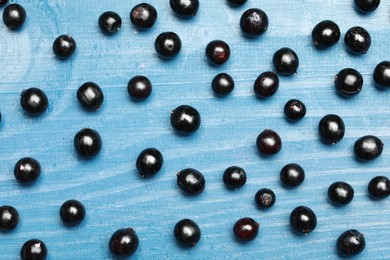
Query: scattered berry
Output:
(381,75)
(34,101)
(64,46)
(368,147)
(292,175)
(139,88)
(72,212)
(348,82)
(90,96)
(187,233)
(149,162)
(167,45)
(9,217)
(350,243)
(357,40)
(246,229)
(110,22)
(234,177)
(124,242)
(185,119)
(27,170)
(191,181)
(33,249)
(340,193)
(254,22)
(87,142)
(236,3)
(268,142)
(331,129)
(265,198)
(366,6)
(3,2)
(266,84)
(217,52)
(325,34)
(303,220)
(143,16)
(286,61)
(185,8)
(222,84)
(294,110)
(14,16)
(379,187)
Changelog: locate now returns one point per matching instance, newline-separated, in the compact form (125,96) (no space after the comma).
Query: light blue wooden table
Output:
(112,192)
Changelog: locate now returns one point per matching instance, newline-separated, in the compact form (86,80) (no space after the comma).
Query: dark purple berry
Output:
(14,16)
(222,84)
(292,175)
(357,40)
(268,142)
(139,88)
(348,82)
(185,119)
(381,75)
(366,6)
(286,61)
(294,110)
(246,229)
(379,187)
(265,198)
(234,177)
(87,143)
(72,212)
(217,52)
(90,96)
(167,45)
(143,16)
(110,22)
(185,8)
(331,129)
(3,2)
(325,34)
(266,84)
(368,147)
(34,101)
(191,181)
(303,220)
(340,193)
(33,249)
(254,22)
(149,162)
(350,243)
(187,233)
(124,242)
(27,170)
(236,3)
(9,217)
(64,46)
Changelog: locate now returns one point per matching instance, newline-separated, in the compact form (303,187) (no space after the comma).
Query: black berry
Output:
(34,101)
(14,16)
(294,110)
(87,142)
(379,187)
(357,40)
(366,6)
(325,34)
(368,147)
(185,119)
(266,84)
(222,84)
(124,242)
(27,170)
(286,61)
(139,88)
(350,243)
(110,22)
(72,212)
(303,220)
(268,142)
(265,198)
(33,249)
(348,82)
(246,229)
(3,2)
(191,181)
(143,16)
(9,217)
(90,96)
(149,162)
(187,233)
(64,46)
(381,75)
(340,193)
(167,45)
(254,22)
(217,52)
(234,177)
(236,3)
(331,129)
(185,8)
(292,175)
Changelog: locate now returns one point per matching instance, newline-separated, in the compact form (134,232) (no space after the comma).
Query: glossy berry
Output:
(27,170)
(348,82)
(286,61)
(185,8)
(379,187)
(87,142)
(34,101)
(254,22)
(90,96)
(72,212)
(265,198)
(222,84)
(236,3)
(3,2)
(191,181)
(33,249)
(14,16)
(381,75)
(331,129)
(246,229)
(139,88)
(185,119)
(217,52)
(124,242)
(64,46)
(143,16)
(350,243)
(149,162)
(366,6)
(187,233)
(234,177)
(303,220)
(110,22)
(368,147)
(294,110)
(268,142)
(292,175)
(167,45)
(357,40)
(325,34)
(266,84)
(340,193)
(9,218)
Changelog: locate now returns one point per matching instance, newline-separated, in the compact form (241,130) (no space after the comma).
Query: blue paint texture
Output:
(108,185)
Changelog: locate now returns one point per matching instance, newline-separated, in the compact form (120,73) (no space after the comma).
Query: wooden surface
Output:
(114,195)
